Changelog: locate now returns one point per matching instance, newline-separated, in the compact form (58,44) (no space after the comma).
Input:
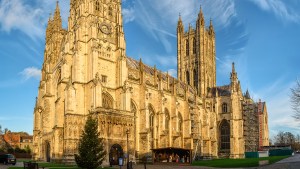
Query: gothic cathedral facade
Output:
(86,72)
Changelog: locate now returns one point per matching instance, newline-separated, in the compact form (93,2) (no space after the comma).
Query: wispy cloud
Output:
(279,108)
(29,17)
(16,15)
(159,20)
(280,8)
(128,14)
(31,72)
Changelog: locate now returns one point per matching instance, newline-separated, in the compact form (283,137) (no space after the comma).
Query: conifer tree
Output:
(91,151)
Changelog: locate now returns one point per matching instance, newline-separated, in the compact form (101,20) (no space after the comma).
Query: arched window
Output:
(187,47)
(107,101)
(188,77)
(224,108)
(194,46)
(195,78)
(110,11)
(179,122)
(97,6)
(225,135)
(167,119)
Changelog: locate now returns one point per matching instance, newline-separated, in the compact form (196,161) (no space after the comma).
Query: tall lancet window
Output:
(188,77)
(167,119)
(110,12)
(97,6)
(195,78)
(179,122)
(225,135)
(187,47)
(194,46)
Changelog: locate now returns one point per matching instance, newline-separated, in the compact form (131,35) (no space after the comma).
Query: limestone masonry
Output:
(86,72)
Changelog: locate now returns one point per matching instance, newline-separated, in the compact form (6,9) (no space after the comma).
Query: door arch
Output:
(115,153)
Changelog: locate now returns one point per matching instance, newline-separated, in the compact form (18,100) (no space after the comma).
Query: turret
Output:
(200,20)
(234,79)
(180,28)
(211,29)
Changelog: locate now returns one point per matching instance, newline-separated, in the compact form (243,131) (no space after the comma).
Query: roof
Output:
(222,90)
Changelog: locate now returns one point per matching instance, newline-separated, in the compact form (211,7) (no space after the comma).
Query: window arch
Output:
(187,47)
(188,77)
(110,11)
(224,108)
(107,101)
(225,135)
(194,45)
(167,119)
(97,6)
(195,78)
(179,122)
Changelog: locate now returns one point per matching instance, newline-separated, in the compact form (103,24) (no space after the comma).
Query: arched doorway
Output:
(47,151)
(115,152)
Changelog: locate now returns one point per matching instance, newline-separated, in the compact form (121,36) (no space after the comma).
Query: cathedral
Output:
(86,73)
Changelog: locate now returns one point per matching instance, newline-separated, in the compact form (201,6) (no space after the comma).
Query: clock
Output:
(105,28)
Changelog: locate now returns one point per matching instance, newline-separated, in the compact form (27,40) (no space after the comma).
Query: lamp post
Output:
(127,133)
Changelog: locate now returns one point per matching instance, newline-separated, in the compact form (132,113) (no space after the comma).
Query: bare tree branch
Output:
(295,100)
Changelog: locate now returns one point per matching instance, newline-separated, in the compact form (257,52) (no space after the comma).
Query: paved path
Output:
(19,164)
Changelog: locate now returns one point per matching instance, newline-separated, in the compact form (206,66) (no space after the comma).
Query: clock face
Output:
(105,28)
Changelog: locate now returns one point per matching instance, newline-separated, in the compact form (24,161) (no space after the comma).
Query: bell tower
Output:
(196,55)
(97,42)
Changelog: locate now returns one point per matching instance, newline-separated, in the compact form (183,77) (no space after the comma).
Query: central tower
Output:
(196,55)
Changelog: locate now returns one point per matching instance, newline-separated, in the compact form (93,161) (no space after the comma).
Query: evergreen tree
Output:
(91,149)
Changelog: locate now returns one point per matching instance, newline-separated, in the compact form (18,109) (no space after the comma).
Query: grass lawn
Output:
(235,163)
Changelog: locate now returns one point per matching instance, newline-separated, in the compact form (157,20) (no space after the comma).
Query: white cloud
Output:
(15,15)
(128,15)
(159,18)
(280,9)
(31,72)
(279,108)
(28,18)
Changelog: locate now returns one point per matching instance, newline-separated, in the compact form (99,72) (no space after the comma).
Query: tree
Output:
(295,99)
(91,148)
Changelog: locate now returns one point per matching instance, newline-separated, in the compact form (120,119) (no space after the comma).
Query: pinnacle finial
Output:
(233,68)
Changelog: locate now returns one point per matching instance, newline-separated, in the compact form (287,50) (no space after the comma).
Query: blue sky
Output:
(261,36)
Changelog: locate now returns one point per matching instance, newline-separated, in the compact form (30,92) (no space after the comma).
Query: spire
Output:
(234,79)
(200,19)
(57,18)
(233,68)
(247,95)
(211,28)
(180,27)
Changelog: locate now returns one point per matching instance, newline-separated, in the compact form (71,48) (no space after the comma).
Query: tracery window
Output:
(110,11)
(97,6)
(194,46)
(179,122)
(225,135)
(187,47)
(224,108)
(107,101)
(188,77)
(195,78)
(167,119)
